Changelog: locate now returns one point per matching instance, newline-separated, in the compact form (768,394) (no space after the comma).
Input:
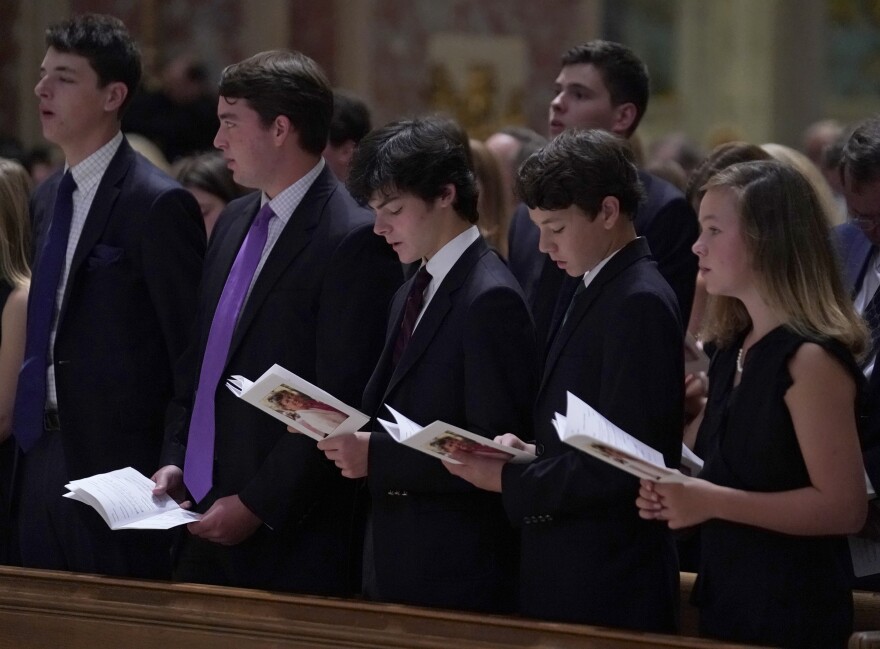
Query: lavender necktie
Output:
(30,397)
(199,462)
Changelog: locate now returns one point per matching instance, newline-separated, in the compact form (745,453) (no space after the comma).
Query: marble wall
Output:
(755,66)
(9,82)
(489,62)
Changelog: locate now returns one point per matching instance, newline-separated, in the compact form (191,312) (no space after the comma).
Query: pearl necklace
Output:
(739,361)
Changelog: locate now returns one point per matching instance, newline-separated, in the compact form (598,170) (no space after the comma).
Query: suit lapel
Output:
(625,257)
(857,262)
(376,386)
(434,314)
(99,213)
(293,238)
(227,249)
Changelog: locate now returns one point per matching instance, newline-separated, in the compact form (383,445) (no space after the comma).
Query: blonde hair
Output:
(788,242)
(491,204)
(834,215)
(15,223)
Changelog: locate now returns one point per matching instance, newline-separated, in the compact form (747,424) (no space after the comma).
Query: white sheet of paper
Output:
(583,419)
(125,495)
(406,427)
(164,521)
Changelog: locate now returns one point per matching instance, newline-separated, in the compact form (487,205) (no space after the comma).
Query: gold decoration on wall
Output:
(479,105)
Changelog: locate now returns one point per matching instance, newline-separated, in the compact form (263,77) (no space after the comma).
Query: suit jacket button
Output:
(404,493)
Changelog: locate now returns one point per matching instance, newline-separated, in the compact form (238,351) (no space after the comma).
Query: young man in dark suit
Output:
(460,347)
(587,557)
(604,85)
(294,276)
(119,250)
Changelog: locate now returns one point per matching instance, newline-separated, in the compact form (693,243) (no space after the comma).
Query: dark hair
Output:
(419,156)
(581,168)
(208,172)
(624,73)
(457,131)
(105,42)
(721,157)
(286,83)
(529,141)
(860,159)
(832,155)
(351,119)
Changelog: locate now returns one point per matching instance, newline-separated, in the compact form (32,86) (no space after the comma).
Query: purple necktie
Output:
(199,462)
(30,397)
(411,310)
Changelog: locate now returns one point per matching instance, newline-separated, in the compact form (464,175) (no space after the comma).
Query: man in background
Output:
(350,123)
(604,85)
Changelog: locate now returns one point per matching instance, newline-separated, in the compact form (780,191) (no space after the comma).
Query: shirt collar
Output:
(286,201)
(591,274)
(88,173)
(444,259)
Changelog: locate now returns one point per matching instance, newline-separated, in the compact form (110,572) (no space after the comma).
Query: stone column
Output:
(754,67)
(33,19)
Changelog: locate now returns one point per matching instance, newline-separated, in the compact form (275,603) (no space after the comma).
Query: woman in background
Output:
(783,481)
(207,177)
(15,235)
(494,217)
(836,213)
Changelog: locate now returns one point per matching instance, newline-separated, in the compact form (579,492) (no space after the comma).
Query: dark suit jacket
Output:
(665,219)
(854,251)
(437,540)
(318,309)
(586,555)
(126,314)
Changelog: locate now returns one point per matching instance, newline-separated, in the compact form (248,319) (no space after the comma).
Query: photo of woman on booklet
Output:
(630,463)
(449,442)
(312,414)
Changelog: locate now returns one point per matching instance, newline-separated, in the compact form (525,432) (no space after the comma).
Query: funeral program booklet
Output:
(587,430)
(440,440)
(299,404)
(124,499)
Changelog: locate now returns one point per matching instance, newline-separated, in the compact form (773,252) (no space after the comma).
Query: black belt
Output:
(51,421)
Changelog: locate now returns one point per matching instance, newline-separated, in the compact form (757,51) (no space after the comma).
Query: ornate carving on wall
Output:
(478,79)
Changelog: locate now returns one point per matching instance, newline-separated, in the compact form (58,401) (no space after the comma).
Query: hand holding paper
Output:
(441,440)
(124,499)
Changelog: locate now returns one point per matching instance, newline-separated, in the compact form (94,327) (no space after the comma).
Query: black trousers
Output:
(58,533)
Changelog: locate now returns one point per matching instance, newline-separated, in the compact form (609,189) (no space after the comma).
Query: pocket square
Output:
(104,255)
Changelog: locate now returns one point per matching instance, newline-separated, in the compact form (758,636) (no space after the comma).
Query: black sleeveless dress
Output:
(7,466)
(755,585)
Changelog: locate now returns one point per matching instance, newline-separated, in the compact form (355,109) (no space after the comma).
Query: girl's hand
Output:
(679,504)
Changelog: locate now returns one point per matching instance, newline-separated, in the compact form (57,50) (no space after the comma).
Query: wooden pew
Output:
(45,609)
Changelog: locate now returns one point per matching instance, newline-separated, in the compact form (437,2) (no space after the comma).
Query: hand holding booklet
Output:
(440,440)
(297,403)
(587,430)
(124,499)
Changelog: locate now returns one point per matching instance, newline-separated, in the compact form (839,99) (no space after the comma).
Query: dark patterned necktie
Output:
(30,397)
(411,311)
